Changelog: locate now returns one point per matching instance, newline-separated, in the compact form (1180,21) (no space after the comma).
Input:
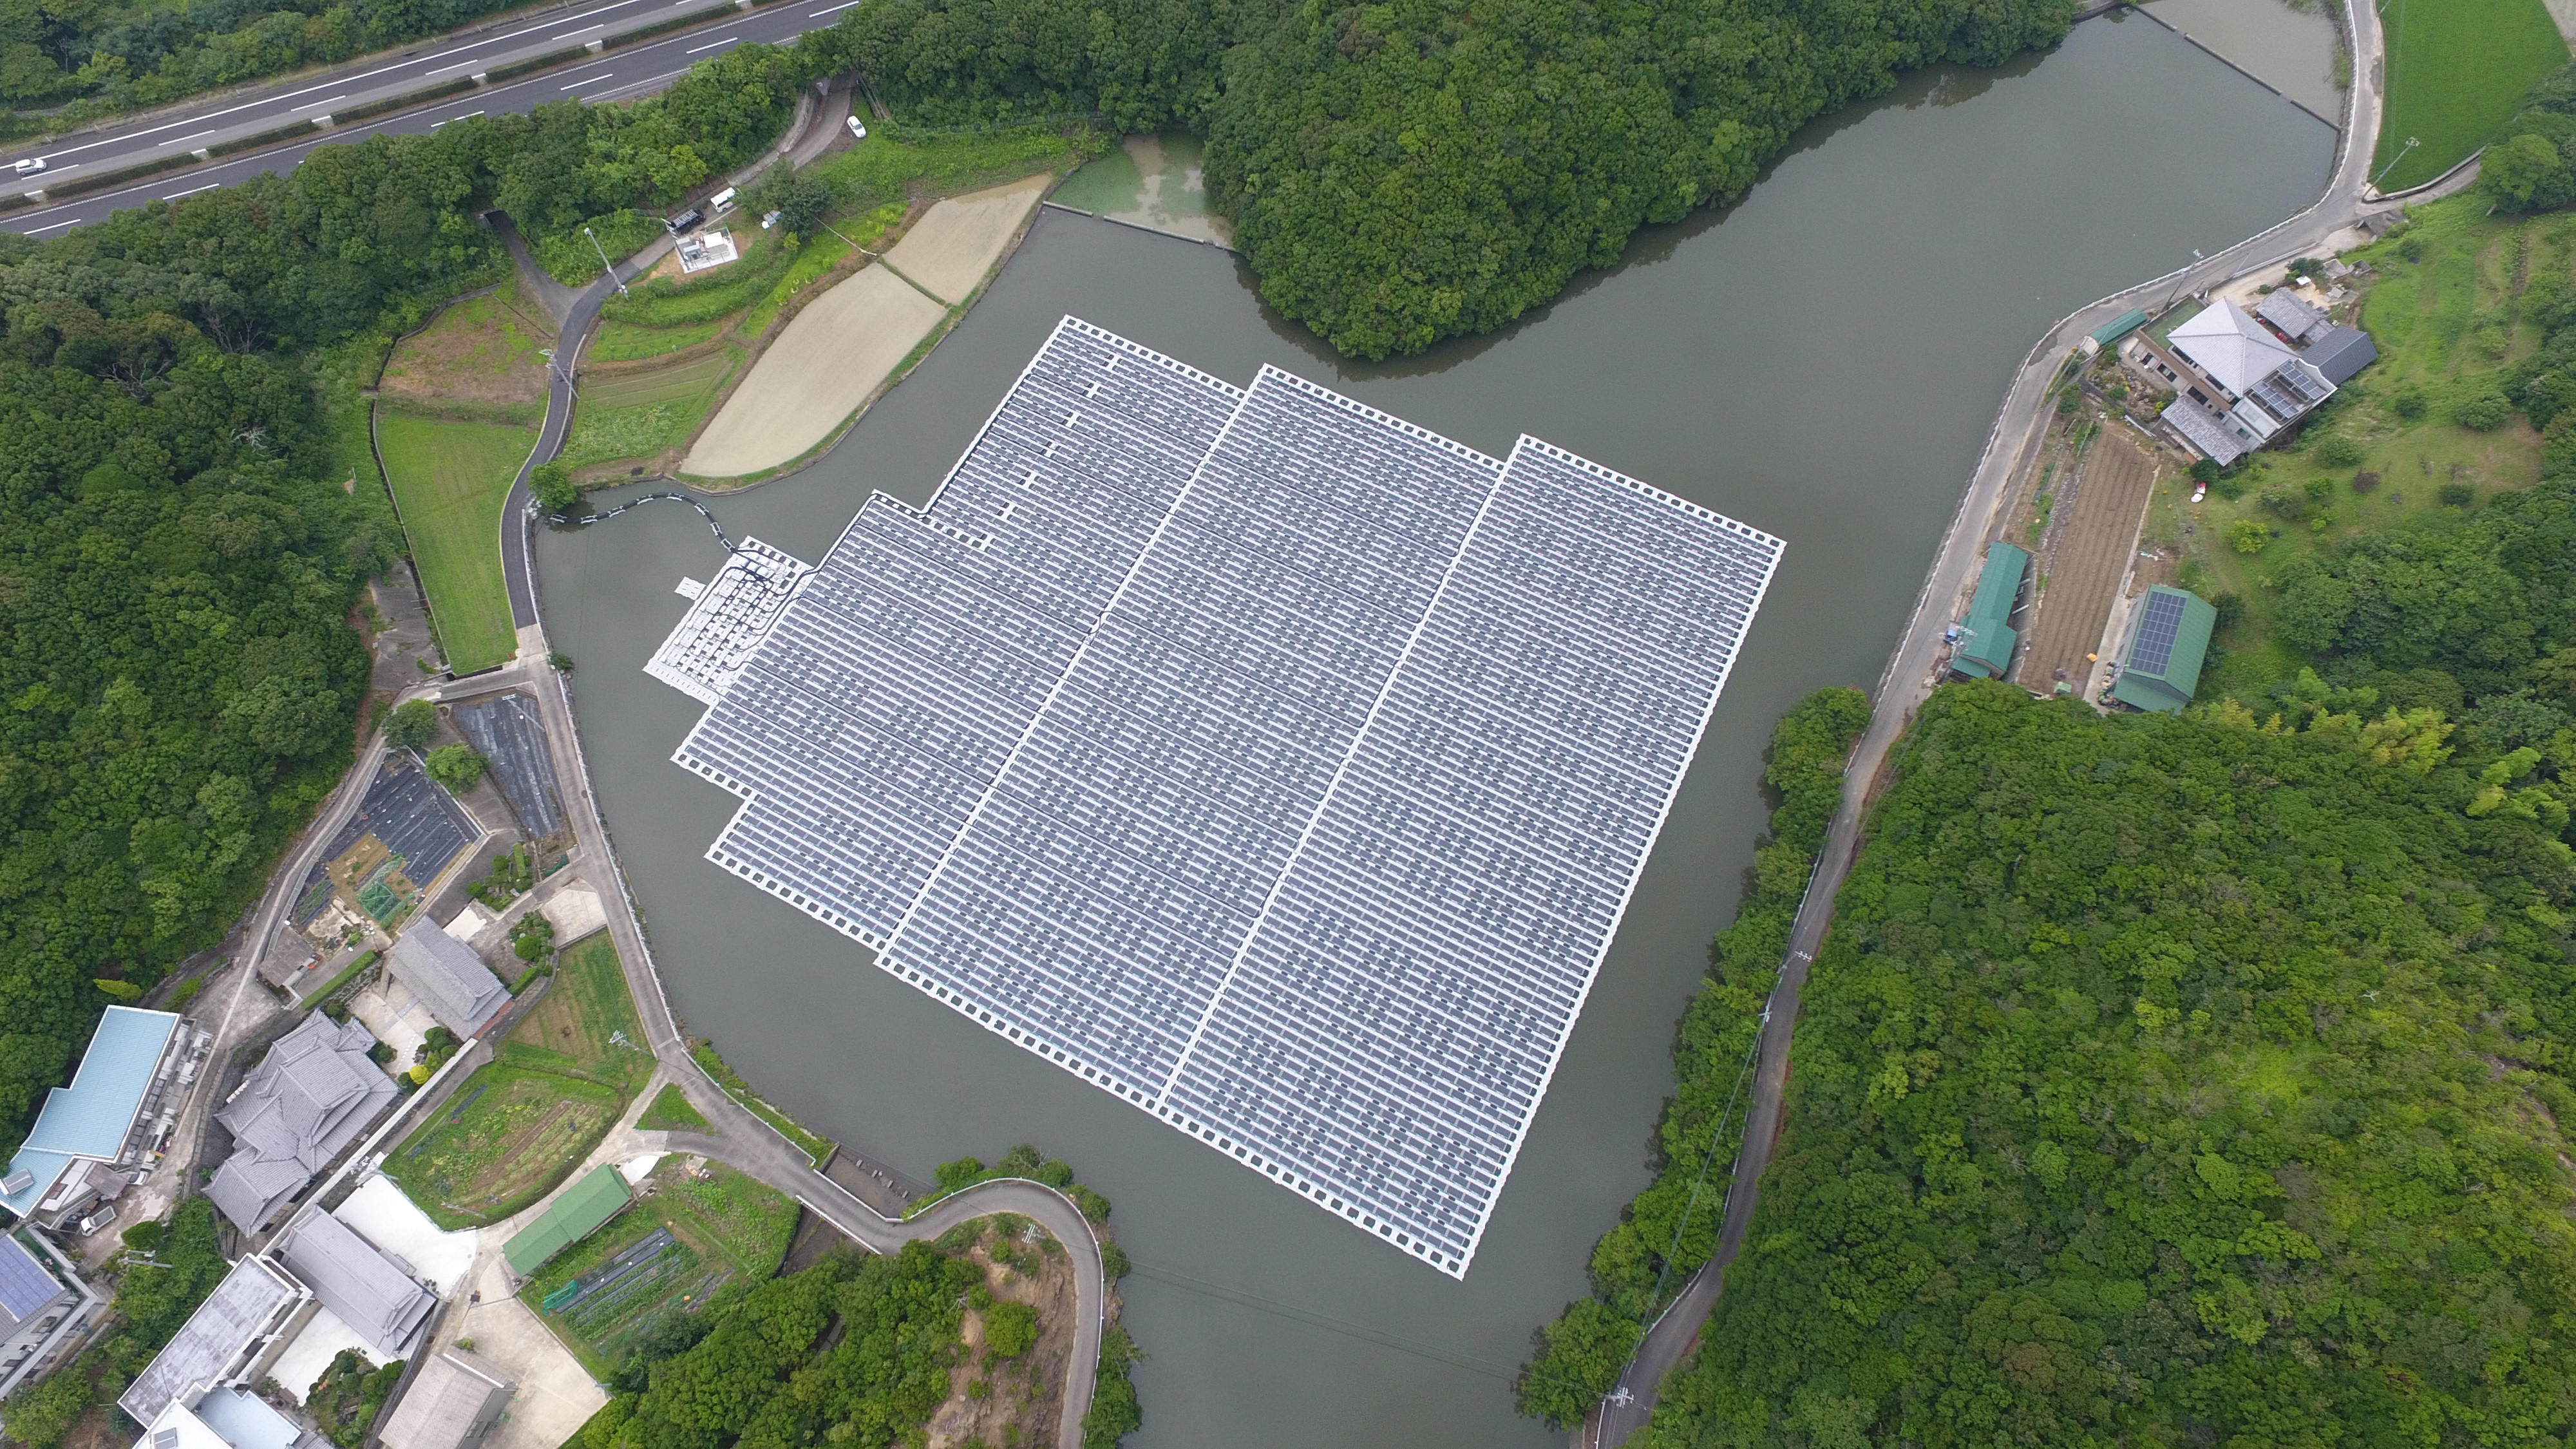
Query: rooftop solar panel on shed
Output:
(25,1285)
(2156,631)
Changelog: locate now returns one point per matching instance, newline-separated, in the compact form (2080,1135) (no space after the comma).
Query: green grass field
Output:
(521,1123)
(450,479)
(586,1026)
(631,342)
(639,414)
(671,1112)
(725,1228)
(505,1140)
(2457,70)
(2448,325)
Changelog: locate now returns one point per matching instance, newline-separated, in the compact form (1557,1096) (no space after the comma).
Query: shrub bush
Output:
(2482,411)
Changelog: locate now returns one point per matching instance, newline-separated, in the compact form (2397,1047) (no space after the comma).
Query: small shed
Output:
(2113,330)
(2339,352)
(2165,651)
(1986,636)
(584,1206)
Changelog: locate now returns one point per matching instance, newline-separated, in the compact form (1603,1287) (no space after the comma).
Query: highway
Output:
(611,74)
(1916,666)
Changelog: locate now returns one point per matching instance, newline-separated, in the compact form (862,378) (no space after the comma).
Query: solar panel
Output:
(1270,762)
(25,1286)
(2157,630)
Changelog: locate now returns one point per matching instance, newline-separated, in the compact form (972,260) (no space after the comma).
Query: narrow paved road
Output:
(816,123)
(1914,669)
(745,1142)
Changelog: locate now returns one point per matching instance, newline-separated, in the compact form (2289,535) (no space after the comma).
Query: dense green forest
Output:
(1401,173)
(2186,1079)
(181,542)
(854,1350)
(1671,1228)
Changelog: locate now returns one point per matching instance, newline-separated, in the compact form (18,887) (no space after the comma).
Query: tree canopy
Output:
(1399,173)
(1670,1229)
(2166,1079)
(758,1378)
(180,548)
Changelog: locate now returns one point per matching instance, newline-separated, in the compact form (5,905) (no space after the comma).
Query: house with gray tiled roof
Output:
(448,977)
(372,1292)
(310,1098)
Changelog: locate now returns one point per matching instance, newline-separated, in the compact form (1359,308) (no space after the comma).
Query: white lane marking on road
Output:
(469,115)
(130,137)
(201,135)
(444,69)
(633,86)
(710,45)
(191,191)
(588,79)
(49,226)
(585,30)
(831,10)
(317,105)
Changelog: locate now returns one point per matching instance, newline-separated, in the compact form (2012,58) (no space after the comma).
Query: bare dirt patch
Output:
(482,350)
(2103,506)
(1012,1401)
(827,362)
(950,250)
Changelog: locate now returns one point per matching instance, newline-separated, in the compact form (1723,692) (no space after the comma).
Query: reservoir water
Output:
(1822,361)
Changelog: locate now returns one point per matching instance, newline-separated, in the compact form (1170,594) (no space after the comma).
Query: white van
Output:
(722,201)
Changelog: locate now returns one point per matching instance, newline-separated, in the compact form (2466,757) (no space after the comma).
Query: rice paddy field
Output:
(2456,72)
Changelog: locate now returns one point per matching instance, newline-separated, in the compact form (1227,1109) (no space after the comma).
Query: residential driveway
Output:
(554,1397)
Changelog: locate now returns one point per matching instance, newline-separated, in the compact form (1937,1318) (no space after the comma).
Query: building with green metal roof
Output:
(1986,636)
(2166,650)
(2115,329)
(584,1206)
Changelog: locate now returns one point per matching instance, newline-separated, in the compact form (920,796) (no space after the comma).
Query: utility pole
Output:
(2392,161)
(603,259)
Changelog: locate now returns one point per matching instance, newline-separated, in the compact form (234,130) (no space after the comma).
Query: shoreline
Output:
(1913,671)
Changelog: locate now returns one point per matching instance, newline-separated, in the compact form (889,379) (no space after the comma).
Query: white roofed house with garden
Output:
(2239,378)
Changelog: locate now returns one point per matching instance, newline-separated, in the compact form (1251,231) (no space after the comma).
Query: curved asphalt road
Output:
(742,1140)
(1915,668)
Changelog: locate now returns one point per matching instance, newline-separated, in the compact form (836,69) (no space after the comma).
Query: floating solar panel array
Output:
(1268,761)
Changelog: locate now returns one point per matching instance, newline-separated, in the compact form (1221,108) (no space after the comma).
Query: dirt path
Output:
(2090,559)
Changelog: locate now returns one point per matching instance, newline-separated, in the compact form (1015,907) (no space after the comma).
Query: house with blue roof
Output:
(92,1138)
